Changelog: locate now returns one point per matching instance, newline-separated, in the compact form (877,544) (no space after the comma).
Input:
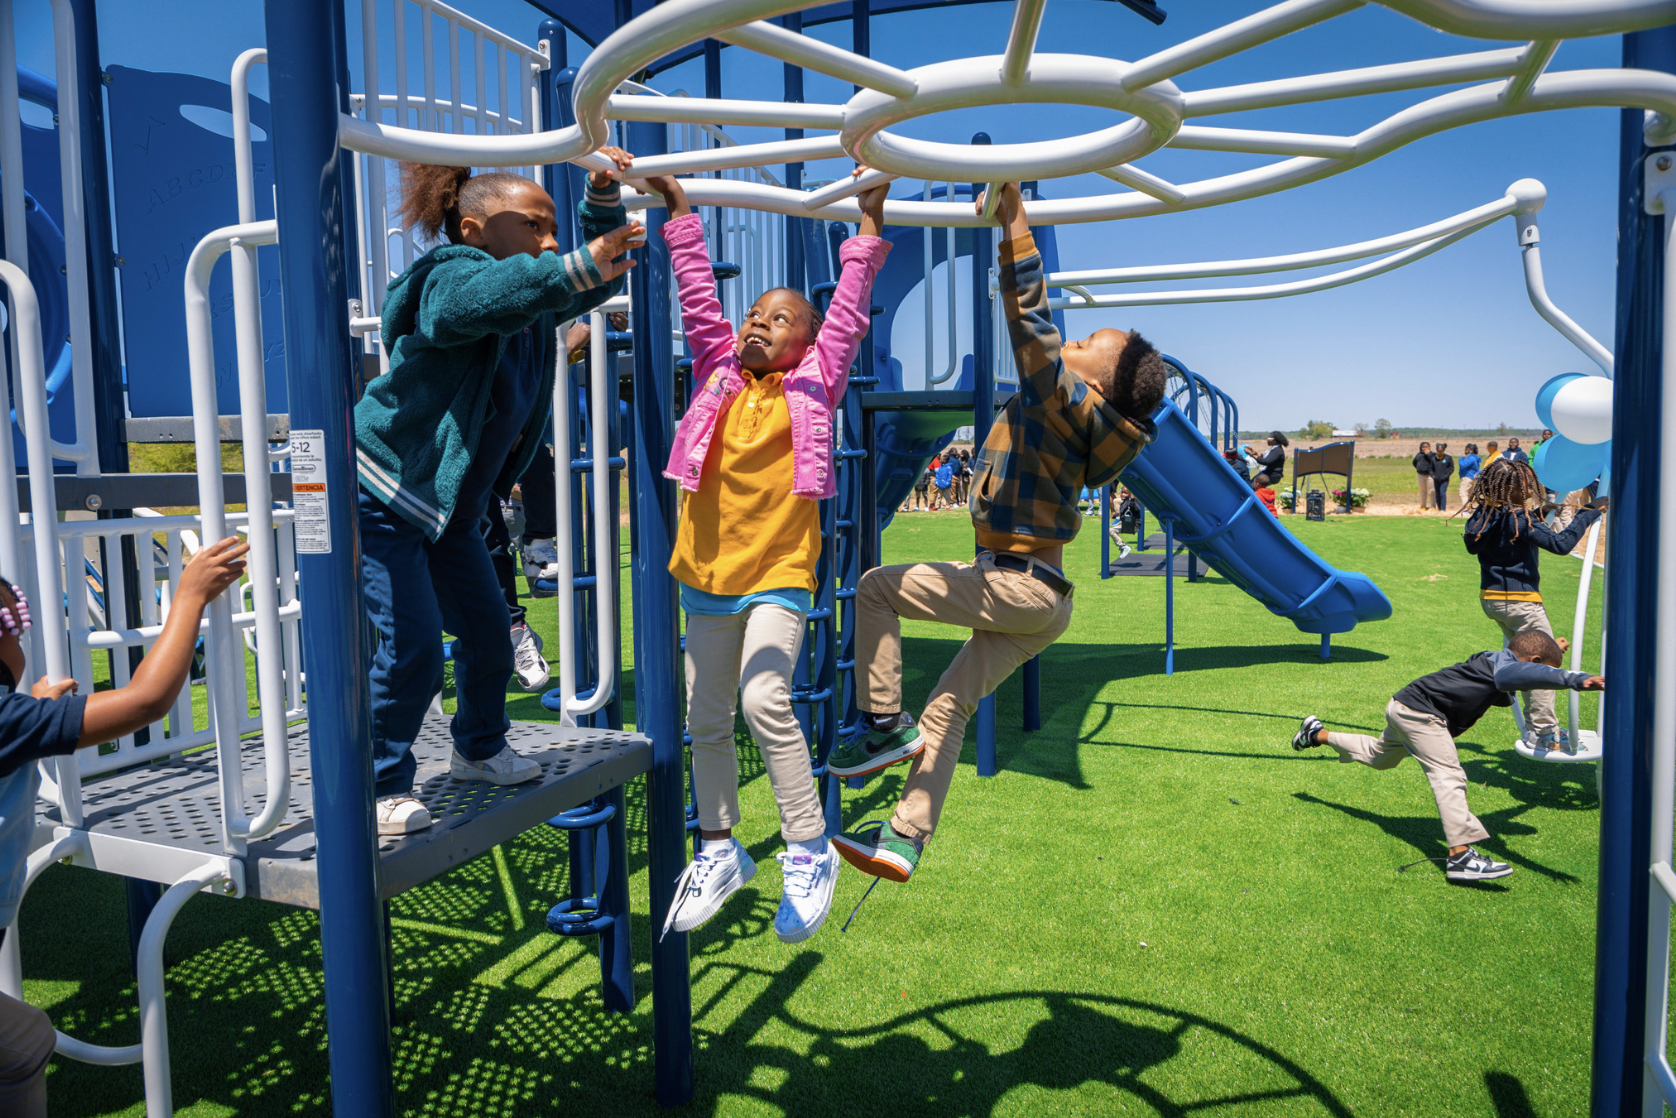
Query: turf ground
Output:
(1156,908)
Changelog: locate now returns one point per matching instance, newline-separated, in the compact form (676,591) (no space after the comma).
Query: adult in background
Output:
(1469,464)
(964,480)
(1443,468)
(1271,464)
(1423,464)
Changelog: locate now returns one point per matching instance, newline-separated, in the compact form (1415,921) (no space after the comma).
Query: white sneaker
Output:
(809,882)
(401,815)
(527,661)
(706,884)
(505,767)
(541,559)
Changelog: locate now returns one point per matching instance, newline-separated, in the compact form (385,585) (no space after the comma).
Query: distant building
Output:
(1347,434)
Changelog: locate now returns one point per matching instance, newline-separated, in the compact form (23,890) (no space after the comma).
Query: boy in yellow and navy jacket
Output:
(1080,417)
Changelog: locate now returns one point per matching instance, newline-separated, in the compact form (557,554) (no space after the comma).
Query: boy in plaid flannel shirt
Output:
(1079,418)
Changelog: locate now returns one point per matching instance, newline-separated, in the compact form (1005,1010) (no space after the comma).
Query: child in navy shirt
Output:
(53,721)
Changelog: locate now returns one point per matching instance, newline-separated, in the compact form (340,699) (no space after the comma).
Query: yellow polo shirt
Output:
(744,531)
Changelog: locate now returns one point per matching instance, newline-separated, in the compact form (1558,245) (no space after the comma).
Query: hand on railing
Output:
(609,251)
(872,201)
(674,196)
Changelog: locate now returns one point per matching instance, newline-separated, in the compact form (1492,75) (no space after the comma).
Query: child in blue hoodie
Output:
(470,330)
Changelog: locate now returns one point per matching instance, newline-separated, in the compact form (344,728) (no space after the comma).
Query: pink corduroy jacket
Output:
(812,390)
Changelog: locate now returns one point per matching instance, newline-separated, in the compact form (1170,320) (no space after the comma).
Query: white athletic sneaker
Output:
(505,767)
(809,882)
(401,815)
(527,661)
(541,559)
(706,884)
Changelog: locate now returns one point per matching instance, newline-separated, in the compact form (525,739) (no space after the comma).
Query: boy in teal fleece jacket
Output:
(470,329)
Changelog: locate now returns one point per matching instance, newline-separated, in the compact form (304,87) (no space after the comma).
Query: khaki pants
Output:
(1012,617)
(1428,491)
(1466,490)
(26,1044)
(1426,739)
(753,652)
(1515,618)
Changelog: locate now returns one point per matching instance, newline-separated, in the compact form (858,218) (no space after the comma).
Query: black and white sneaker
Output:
(1469,865)
(1305,737)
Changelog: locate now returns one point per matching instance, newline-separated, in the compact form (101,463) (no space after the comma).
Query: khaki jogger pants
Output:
(1515,618)
(1013,617)
(1427,740)
(753,652)
(1428,491)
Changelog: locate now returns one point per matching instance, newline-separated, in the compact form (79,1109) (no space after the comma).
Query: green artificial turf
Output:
(1155,908)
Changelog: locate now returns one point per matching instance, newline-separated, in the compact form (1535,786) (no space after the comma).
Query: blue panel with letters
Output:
(173,179)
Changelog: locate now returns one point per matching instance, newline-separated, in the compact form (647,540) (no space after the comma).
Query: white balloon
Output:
(1582,410)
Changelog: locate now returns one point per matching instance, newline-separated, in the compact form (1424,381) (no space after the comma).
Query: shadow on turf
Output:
(1421,832)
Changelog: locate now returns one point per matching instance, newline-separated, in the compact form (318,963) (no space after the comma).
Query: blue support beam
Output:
(657,669)
(1621,1085)
(305,67)
(983,417)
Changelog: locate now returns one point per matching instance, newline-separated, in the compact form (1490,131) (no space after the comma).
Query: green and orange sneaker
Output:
(873,749)
(875,848)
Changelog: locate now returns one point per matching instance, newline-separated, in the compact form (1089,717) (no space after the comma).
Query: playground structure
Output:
(528,110)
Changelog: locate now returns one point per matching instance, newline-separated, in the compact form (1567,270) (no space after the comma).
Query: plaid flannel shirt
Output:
(1053,438)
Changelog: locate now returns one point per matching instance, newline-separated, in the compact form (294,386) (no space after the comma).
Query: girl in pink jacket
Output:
(754,456)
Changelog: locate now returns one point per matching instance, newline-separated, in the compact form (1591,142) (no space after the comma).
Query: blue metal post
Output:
(305,53)
(1169,596)
(1105,531)
(1326,646)
(657,670)
(983,417)
(1621,1084)
(794,171)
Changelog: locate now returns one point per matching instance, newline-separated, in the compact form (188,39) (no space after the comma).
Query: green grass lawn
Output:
(1156,908)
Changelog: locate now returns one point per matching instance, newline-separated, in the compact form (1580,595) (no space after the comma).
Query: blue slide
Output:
(1182,477)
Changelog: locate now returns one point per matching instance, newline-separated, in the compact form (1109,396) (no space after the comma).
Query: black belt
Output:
(1036,571)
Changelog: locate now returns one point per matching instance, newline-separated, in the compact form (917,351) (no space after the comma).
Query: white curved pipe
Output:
(154,1019)
(823,58)
(605,549)
(1476,217)
(1536,19)
(703,110)
(1266,291)
(1391,78)
(1580,618)
(243,171)
(226,651)
(1021,40)
(930,302)
(1530,239)
(1231,38)
(14,222)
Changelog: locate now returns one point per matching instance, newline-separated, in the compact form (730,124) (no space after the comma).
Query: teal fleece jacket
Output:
(445,325)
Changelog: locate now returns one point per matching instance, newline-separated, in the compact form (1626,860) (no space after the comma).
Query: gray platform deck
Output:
(177,803)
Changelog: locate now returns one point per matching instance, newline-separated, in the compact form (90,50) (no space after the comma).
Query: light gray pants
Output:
(753,652)
(1428,491)
(1515,618)
(1427,740)
(26,1043)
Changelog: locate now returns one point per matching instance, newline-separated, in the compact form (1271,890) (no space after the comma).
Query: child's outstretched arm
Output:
(849,315)
(158,679)
(709,335)
(1035,339)
(1513,674)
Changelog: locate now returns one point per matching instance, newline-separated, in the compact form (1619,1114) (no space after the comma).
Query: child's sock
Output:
(885,721)
(720,849)
(814,847)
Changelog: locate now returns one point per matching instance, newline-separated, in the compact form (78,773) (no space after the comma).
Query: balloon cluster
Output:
(1577,407)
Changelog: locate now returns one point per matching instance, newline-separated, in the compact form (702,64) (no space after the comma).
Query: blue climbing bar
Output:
(308,89)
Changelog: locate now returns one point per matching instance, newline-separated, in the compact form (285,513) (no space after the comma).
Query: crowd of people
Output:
(944,483)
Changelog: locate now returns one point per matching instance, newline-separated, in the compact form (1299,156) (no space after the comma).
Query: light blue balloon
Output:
(1563,465)
(1545,399)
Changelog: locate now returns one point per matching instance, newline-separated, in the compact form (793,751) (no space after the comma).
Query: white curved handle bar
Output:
(605,537)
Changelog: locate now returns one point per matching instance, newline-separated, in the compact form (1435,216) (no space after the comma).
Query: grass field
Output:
(1157,908)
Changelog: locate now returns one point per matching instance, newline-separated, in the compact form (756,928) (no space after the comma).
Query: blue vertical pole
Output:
(1169,596)
(1326,646)
(861,28)
(657,670)
(983,417)
(794,171)
(305,62)
(1620,1084)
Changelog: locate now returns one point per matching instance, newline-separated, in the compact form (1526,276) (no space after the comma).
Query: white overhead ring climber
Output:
(1513,80)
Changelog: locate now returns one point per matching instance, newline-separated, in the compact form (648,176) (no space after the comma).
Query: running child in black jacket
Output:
(1425,718)
(1508,536)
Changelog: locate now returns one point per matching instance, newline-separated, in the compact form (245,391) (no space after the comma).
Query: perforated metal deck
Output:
(177,804)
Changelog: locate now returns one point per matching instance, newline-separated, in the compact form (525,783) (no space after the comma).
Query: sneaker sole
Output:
(396,830)
(1459,875)
(878,863)
(538,685)
(688,922)
(826,908)
(883,760)
(460,772)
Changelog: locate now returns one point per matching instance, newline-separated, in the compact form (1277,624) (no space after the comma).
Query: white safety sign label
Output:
(308,493)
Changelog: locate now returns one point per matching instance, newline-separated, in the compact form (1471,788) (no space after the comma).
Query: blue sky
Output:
(1450,341)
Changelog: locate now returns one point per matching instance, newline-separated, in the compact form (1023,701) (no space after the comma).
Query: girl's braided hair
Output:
(434,198)
(1502,485)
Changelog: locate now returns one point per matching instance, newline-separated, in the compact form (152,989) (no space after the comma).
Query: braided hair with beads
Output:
(1502,485)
